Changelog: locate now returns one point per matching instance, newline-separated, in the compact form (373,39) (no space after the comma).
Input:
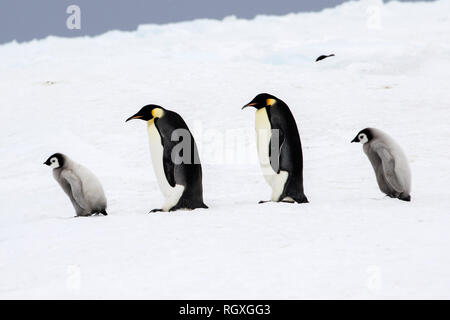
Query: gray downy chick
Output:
(80,184)
(389,162)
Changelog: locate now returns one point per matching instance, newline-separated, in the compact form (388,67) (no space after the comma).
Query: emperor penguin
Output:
(80,184)
(175,158)
(279,148)
(389,162)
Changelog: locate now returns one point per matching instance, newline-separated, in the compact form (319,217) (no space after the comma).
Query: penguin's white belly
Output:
(172,194)
(263,135)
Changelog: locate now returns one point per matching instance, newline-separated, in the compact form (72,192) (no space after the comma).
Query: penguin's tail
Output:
(405,198)
(201,205)
(302,199)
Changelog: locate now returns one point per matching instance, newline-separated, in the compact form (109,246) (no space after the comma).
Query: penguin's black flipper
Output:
(156,210)
(274,155)
(290,155)
(167,144)
(169,166)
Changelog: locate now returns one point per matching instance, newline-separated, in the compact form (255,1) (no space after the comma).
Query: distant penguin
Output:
(389,162)
(324,57)
(80,184)
(279,148)
(175,161)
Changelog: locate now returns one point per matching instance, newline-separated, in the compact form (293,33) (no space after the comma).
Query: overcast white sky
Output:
(24,20)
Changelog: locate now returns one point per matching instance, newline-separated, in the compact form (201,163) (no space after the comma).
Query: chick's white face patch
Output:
(363,138)
(54,163)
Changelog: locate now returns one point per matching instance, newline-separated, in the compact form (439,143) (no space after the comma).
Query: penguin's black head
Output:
(148,113)
(55,161)
(262,100)
(363,136)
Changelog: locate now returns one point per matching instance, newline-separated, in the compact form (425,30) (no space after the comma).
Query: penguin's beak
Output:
(355,140)
(251,104)
(136,116)
(47,163)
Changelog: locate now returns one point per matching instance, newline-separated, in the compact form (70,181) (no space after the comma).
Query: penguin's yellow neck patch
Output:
(157,113)
(270,102)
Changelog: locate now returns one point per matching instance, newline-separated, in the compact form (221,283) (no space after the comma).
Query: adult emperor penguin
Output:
(80,184)
(389,162)
(279,148)
(175,158)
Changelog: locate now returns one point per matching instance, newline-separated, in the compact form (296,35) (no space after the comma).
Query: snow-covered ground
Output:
(391,71)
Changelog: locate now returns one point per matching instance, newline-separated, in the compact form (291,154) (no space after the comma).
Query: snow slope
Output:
(391,71)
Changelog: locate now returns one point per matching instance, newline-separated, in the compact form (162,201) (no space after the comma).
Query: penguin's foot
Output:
(181,208)
(186,204)
(97,213)
(264,201)
(392,196)
(156,210)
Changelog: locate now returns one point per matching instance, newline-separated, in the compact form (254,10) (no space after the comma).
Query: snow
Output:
(73,95)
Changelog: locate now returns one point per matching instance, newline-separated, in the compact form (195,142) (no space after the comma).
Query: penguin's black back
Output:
(187,174)
(291,155)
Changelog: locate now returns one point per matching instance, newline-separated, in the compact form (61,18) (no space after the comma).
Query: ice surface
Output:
(391,71)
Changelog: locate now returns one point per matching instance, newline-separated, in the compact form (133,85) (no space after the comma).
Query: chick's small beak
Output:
(355,140)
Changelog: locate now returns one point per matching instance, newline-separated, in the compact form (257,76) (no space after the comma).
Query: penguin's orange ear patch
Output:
(270,102)
(157,113)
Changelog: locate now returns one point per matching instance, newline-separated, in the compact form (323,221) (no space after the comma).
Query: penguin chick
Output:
(83,188)
(279,148)
(389,162)
(175,158)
